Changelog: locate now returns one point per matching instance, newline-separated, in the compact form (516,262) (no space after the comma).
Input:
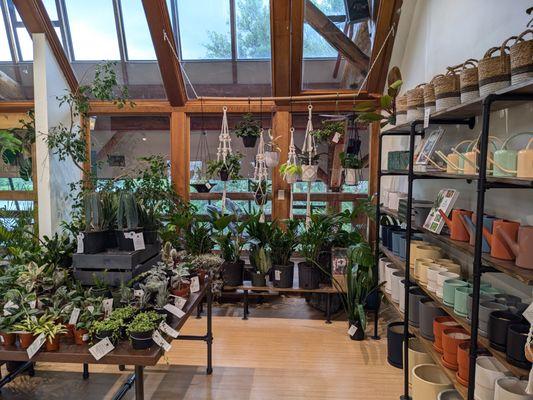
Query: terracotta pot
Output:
(455,224)
(52,344)
(463,363)
(439,324)
(417,355)
(511,388)
(451,338)
(428,310)
(418,265)
(80,335)
(521,248)
(428,381)
(25,339)
(498,247)
(8,339)
(183,291)
(488,370)
(499,322)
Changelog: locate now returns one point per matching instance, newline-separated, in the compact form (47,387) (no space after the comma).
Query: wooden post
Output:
(180,152)
(281,125)
(374,131)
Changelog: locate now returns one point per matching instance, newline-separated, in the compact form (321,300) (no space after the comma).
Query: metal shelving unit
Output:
(463,114)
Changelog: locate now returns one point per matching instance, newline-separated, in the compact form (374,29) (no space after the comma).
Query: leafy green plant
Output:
(232,166)
(161,298)
(350,161)
(328,130)
(123,313)
(229,235)
(28,325)
(93,212)
(16,145)
(318,236)
(108,326)
(127,212)
(248,127)
(290,169)
(284,242)
(87,317)
(143,322)
(47,325)
(304,159)
(260,238)
(109,202)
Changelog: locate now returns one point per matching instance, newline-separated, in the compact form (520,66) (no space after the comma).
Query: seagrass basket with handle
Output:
(401,109)
(447,90)
(415,103)
(521,54)
(469,80)
(494,69)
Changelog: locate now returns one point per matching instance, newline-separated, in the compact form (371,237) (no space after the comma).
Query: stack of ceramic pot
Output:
(428,310)
(488,371)
(448,290)
(460,302)
(482,298)
(420,267)
(417,355)
(383,262)
(389,269)
(432,273)
(439,325)
(428,381)
(516,342)
(499,322)
(451,338)
(485,310)
(396,277)
(395,344)
(415,295)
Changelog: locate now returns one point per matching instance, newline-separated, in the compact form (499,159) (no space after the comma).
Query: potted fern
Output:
(248,129)
(95,233)
(228,170)
(127,221)
(351,164)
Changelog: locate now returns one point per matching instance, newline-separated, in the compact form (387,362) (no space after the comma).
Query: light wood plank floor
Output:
(262,358)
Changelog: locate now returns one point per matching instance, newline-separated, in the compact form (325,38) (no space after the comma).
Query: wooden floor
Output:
(262,358)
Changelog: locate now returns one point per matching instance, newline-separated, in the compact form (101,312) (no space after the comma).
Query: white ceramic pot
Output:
(418,266)
(389,269)
(424,267)
(428,251)
(450,394)
(417,355)
(291,178)
(271,159)
(428,381)
(396,277)
(451,267)
(382,263)
(401,286)
(309,173)
(350,176)
(511,388)
(444,276)
(432,272)
(488,371)
(414,251)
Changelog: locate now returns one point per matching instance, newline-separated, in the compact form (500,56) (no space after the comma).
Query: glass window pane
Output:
(5,54)
(330,7)
(315,46)
(51,9)
(93,38)
(26,44)
(204,29)
(138,39)
(253,28)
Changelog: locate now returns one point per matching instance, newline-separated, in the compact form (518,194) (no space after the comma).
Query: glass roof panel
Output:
(5,54)
(51,9)
(138,40)
(253,29)
(25,43)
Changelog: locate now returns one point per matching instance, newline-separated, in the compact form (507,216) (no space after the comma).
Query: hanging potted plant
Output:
(351,164)
(94,235)
(248,129)
(141,329)
(200,182)
(290,172)
(309,168)
(330,130)
(127,221)
(260,190)
(272,154)
(228,170)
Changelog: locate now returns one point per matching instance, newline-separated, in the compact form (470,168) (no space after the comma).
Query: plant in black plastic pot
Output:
(109,215)
(328,131)
(351,164)
(260,237)
(283,244)
(95,234)
(248,129)
(127,221)
(141,329)
(108,328)
(226,170)
(150,220)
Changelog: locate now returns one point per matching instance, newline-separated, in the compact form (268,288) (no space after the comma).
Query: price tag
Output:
(427,113)
(195,284)
(74,315)
(180,302)
(32,304)
(277,275)
(281,194)
(90,308)
(85,337)
(80,238)
(352,330)
(208,185)
(9,305)
(107,305)
(158,339)
(36,345)
(167,329)
(528,314)
(336,137)
(101,348)
(138,293)
(138,241)
(171,308)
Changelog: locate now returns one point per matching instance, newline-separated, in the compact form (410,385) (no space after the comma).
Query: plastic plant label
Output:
(107,305)
(158,339)
(85,337)
(528,314)
(281,194)
(171,308)
(138,293)
(166,328)
(195,284)
(180,302)
(90,308)
(208,185)
(352,330)
(277,275)
(9,305)
(427,113)
(36,345)
(336,137)
(74,315)
(101,348)
(138,241)
(80,238)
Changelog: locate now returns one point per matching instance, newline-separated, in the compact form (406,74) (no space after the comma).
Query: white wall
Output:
(53,176)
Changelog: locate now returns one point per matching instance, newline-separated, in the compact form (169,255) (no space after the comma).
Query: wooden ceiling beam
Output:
(335,37)
(388,16)
(36,20)
(163,39)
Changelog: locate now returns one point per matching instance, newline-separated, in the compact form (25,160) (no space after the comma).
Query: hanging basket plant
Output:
(351,164)
(290,172)
(309,167)
(228,170)
(260,189)
(328,131)
(248,129)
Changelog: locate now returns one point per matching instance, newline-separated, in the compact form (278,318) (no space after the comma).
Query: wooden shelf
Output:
(503,181)
(520,372)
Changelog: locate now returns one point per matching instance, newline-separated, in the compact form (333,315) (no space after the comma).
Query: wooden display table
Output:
(123,354)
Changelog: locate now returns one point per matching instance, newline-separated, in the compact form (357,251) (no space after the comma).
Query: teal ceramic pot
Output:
(460,306)
(448,290)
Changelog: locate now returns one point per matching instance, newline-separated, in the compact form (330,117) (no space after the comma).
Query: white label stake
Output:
(101,348)
(352,330)
(174,310)
(107,305)
(36,345)
(195,284)
(180,302)
(427,113)
(80,237)
(166,328)
(74,316)
(158,339)
(277,275)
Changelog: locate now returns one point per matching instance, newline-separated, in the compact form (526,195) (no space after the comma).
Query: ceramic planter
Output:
(350,176)
(259,279)
(460,304)
(308,276)
(418,265)
(232,273)
(449,394)
(416,355)
(448,290)
(499,322)
(402,243)
(8,339)
(428,310)
(451,267)
(401,303)
(511,388)
(271,159)
(309,173)
(383,262)
(285,275)
(428,381)
(516,342)
(395,344)
(396,276)
(249,141)
(485,309)
(415,295)
(398,238)
(432,272)
(488,371)
(482,298)
(389,269)
(413,250)
(428,251)
(463,363)
(439,324)
(451,338)
(507,299)
(390,232)
(441,278)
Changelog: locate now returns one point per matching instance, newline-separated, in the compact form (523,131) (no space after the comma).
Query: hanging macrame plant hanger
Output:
(309,150)
(224,150)
(292,160)
(261,175)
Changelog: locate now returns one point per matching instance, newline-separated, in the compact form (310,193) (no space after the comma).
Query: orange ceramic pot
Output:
(8,339)
(451,339)
(52,344)
(455,224)
(439,324)
(25,339)
(498,247)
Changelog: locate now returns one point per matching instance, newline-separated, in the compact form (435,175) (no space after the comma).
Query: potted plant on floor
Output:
(52,331)
(127,221)
(248,129)
(228,170)
(141,329)
(94,235)
(260,236)
(351,164)
(290,172)
(283,244)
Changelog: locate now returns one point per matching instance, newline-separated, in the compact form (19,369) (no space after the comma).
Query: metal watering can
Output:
(452,160)
(512,163)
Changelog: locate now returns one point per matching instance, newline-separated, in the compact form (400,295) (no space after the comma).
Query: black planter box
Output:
(286,276)
(249,141)
(308,276)
(150,237)
(232,273)
(111,239)
(499,322)
(516,342)
(94,242)
(126,244)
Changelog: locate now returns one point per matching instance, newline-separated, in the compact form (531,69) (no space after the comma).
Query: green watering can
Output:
(505,160)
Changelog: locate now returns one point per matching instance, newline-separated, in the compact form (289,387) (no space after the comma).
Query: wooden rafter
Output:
(36,20)
(161,31)
(388,16)
(335,37)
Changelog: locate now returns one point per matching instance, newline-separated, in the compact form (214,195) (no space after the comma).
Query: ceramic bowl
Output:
(417,268)
(448,290)
(389,269)
(511,388)
(396,277)
(488,370)
(460,304)
(432,273)
(428,381)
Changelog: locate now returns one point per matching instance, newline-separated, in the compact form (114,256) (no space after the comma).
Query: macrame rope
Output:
(224,150)
(309,147)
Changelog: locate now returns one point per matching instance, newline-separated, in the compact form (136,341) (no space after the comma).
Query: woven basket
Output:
(401,109)
(469,82)
(415,103)
(429,96)
(495,70)
(521,54)
(447,89)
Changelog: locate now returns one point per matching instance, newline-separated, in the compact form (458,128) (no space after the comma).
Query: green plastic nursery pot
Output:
(448,290)
(308,276)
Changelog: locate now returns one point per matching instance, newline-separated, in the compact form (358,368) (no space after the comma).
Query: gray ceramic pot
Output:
(482,298)
(428,310)
(485,309)
(415,295)
(507,299)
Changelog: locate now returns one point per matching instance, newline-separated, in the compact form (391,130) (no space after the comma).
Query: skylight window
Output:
(138,39)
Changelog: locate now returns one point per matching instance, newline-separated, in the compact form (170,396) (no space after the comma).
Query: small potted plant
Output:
(85,321)
(109,216)
(309,167)
(260,190)
(94,235)
(108,328)
(283,244)
(7,334)
(179,284)
(290,172)
(124,314)
(51,330)
(127,221)
(228,170)
(248,129)
(150,220)
(351,164)
(25,330)
(141,329)
(328,131)
(161,300)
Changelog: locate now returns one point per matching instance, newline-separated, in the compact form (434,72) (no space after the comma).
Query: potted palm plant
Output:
(283,244)
(94,235)
(290,172)
(226,170)
(248,129)
(351,164)
(127,221)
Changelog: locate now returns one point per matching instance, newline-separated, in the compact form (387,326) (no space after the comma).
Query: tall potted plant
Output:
(127,220)
(95,233)
(351,164)
(260,236)
(283,244)
(248,129)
